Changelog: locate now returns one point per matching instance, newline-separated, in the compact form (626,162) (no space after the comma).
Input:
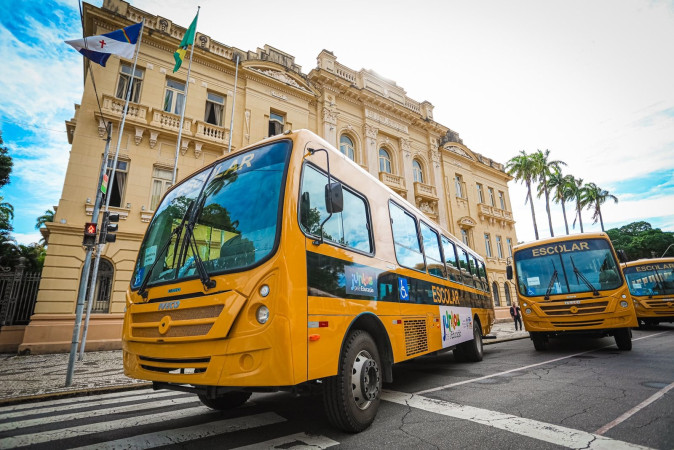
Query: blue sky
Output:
(590,81)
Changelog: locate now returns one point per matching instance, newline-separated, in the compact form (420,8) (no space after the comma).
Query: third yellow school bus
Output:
(285,266)
(572,284)
(651,283)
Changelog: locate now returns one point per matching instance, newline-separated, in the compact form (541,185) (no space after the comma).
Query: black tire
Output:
(228,400)
(540,341)
(474,349)
(352,396)
(459,354)
(623,339)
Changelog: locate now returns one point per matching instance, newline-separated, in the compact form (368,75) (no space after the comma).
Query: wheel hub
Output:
(365,380)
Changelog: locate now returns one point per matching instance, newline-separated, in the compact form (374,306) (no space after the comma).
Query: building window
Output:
(116,193)
(501,199)
(174,98)
(499,247)
(491,197)
(509,243)
(384,161)
(215,106)
(101,299)
(418,173)
(494,291)
(464,236)
(161,181)
(276,122)
(480,194)
(346,147)
(123,83)
(487,244)
(506,288)
(458,183)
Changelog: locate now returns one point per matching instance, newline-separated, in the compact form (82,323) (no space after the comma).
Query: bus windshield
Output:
(222,219)
(567,267)
(650,279)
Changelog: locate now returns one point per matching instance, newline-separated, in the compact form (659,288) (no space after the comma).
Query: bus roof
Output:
(644,261)
(564,238)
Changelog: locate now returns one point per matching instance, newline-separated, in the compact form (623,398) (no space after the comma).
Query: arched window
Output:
(346,147)
(506,288)
(494,290)
(384,161)
(418,172)
(101,300)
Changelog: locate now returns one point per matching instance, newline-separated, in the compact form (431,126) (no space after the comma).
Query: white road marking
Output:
(635,410)
(62,401)
(299,441)
(473,380)
(555,434)
(186,434)
(83,402)
(65,417)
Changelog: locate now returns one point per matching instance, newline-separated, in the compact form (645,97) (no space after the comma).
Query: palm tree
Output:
(48,216)
(544,169)
(594,198)
(522,167)
(6,216)
(577,190)
(560,187)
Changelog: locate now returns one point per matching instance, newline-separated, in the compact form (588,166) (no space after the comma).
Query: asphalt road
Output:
(578,394)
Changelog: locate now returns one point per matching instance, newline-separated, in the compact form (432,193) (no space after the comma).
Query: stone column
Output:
(371,149)
(439,182)
(407,172)
(330,126)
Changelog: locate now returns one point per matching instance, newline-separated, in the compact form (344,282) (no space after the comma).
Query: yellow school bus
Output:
(285,266)
(572,285)
(651,283)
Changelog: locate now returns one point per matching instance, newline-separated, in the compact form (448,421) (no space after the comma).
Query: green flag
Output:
(188,39)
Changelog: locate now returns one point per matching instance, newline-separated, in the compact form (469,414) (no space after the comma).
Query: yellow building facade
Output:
(369,118)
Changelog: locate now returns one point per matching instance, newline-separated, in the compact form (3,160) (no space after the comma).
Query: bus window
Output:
(466,277)
(453,271)
(405,238)
(432,251)
(349,227)
(483,276)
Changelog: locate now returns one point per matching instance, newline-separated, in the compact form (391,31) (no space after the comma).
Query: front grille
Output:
(415,336)
(658,303)
(175,331)
(184,366)
(578,324)
(583,308)
(202,312)
(186,322)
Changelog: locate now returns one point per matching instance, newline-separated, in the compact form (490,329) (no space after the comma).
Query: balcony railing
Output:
(393,181)
(211,132)
(115,107)
(425,191)
(168,121)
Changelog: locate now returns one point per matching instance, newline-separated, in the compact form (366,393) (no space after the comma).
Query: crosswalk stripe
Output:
(65,401)
(101,427)
(555,434)
(85,403)
(299,441)
(180,435)
(9,426)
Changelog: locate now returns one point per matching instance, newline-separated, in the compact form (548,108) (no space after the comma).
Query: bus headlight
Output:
(623,304)
(525,304)
(528,310)
(264,290)
(262,314)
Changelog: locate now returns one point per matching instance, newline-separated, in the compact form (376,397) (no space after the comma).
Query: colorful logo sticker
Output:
(457,325)
(403,291)
(360,281)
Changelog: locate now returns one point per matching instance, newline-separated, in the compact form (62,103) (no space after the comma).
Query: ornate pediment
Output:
(466,221)
(280,76)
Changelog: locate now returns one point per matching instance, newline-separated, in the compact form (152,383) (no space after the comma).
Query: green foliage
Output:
(6,164)
(640,240)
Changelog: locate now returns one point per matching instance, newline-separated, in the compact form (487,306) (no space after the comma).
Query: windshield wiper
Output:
(198,262)
(176,232)
(552,283)
(582,277)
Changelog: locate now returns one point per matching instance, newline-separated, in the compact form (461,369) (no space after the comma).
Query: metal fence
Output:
(18,293)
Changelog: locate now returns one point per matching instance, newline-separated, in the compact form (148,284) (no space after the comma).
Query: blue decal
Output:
(403,291)
(531,292)
(139,277)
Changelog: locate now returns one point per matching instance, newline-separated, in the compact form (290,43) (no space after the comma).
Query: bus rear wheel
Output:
(228,400)
(352,397)
(623,339)
(473,350)
(540,341)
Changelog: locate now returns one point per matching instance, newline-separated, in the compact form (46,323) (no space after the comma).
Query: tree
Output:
(522,167)
(561,189)
(45,218)
(6,217)
(544,168)
(577,190)
(641,240)
(594,198)
(6,164)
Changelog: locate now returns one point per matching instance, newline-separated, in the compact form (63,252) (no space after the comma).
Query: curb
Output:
(499,340)
(75,393)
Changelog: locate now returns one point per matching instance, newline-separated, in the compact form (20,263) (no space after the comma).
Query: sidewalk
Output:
(36,377)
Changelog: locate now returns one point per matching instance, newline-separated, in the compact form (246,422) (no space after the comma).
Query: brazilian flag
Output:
(188,40)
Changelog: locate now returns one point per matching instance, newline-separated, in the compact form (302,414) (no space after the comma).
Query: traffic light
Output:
(90,229)
(108,229)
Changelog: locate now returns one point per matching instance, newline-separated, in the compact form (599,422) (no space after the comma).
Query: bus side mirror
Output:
(622,256)
(509,272)
(334,198)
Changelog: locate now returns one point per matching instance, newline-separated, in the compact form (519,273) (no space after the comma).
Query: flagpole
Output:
(182,113)
(99,251)
(231,121)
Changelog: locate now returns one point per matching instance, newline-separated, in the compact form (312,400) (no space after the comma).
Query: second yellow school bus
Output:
(651,283)
(572,285)
(285,266)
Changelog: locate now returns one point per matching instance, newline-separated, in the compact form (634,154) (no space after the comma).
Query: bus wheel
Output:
(540,341)
(623,339)
(473,350)
(228,400)
(352,397)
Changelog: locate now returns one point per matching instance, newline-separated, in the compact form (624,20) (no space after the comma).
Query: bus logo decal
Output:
(403,291)
(169,305)
(360,281)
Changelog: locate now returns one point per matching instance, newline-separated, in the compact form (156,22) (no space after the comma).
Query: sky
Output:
(591,81)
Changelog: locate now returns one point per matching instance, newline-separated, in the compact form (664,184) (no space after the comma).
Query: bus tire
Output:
(623,339)
(473,350)
(352,396)
(459,354)
(540,341)
(228,400)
